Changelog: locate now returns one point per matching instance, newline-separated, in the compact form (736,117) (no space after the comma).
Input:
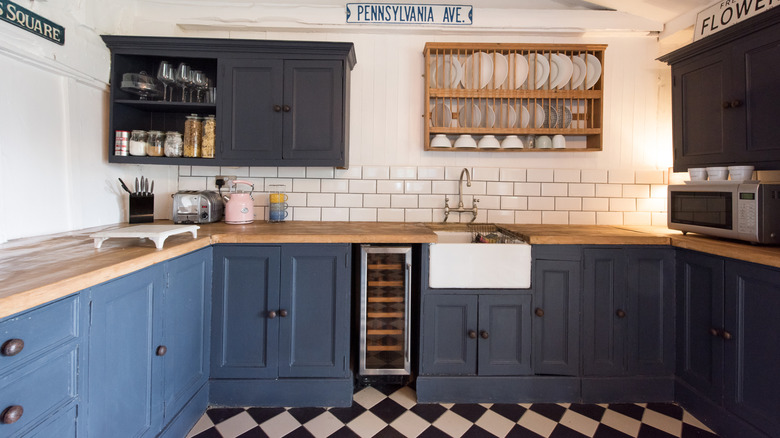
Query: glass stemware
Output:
(198,81)
(182,79)
(167,76)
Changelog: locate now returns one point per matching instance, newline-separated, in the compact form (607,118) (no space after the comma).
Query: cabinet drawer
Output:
(62,426)
(39,388)
(40,329)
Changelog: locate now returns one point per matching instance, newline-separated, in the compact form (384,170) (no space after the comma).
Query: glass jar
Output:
(173,144)
(193,129)
(209,137)
(137,144)
(155,144)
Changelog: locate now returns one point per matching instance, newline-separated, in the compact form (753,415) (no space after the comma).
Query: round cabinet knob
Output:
(539,312)
(12,347)
(161,350)
(271,314)
(736,103)
(725,335)
(726,105)
(283,313)
(286,108)
(620,313)
(12,414)
(277,108)
(484,334)
(714,332)
(472,334)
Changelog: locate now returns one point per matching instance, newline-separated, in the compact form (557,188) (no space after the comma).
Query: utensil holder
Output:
(141,208)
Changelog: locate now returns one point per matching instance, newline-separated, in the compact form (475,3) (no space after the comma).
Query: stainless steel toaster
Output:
(197,207)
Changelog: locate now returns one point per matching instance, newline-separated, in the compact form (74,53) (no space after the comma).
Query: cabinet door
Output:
(315,311)
(245,334)
(504,335)
(699,311)
(650,314)
(604,312)
(449,333)
(124,384)
(556,324)
(752,389)
(698,117)
(253,94)
(314,122)
(186,327)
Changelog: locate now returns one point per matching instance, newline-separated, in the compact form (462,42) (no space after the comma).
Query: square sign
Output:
(401,13)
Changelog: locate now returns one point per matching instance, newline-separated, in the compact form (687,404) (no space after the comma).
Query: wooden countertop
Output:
(34,271)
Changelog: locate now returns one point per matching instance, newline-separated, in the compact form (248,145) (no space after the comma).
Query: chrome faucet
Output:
(461,208)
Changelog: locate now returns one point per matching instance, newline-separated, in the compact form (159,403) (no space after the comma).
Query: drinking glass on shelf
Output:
(198,82)
(182,79)
(167,76)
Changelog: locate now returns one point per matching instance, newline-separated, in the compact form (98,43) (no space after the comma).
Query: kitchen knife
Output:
(124,186)
(137,186)
(152,189)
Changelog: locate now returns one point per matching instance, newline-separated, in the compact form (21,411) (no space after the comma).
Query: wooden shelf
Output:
(384,348)
(379,283)
(384,332)
(385,299)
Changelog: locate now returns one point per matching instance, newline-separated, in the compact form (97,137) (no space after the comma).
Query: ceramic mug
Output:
(277,215)
(278,205)
(277,193)
(559,142)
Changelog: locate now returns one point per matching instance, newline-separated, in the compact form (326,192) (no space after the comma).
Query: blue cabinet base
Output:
(286,392)
(715,417)
(488,389)
(189,415)
(627,389)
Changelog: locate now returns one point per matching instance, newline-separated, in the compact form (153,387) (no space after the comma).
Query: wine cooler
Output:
(385,291)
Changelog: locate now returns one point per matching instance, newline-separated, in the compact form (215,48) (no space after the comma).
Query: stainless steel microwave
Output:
(745,211)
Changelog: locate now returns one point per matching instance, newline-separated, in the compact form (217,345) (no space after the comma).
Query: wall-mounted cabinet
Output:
(277,103)
(503,97)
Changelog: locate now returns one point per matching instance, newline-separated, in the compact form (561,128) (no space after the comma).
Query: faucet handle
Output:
(475,201)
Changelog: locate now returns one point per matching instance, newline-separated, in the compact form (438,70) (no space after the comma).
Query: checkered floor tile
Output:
(385,411)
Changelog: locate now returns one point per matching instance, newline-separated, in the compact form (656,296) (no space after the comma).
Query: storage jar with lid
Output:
(173,144)
(209,136)
(155,144)
(193,129)
(137,145)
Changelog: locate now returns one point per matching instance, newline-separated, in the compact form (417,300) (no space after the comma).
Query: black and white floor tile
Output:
(386,412)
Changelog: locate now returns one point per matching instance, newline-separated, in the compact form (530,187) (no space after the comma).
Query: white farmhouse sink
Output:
(455,262)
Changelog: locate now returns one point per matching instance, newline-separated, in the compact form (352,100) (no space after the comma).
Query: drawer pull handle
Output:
(620,313)
(484,334)
(161,350)
(539,312)
(12,414)
(12,347)
(472,334)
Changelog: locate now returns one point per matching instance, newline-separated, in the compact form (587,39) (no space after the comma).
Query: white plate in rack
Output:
(565,70)
(446,72)
(578,74)
(500,70)
(594,70)
(477,70)
(518,68)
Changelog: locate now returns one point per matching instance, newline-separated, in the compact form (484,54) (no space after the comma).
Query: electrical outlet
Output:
(221,180)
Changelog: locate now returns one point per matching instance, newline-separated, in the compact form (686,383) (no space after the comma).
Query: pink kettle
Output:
(239,205)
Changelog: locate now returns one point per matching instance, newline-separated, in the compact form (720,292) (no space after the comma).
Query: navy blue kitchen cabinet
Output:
(281,319)
(148,349)
(628,324)
(41,358)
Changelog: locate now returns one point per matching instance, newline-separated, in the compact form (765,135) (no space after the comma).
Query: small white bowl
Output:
(441,141)
(741,173)
(465,141)
(488,142)
(697,174)
(512,142)
(718,173)
(543,142)
(559,142)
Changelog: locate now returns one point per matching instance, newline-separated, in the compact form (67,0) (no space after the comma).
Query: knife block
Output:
(141,208)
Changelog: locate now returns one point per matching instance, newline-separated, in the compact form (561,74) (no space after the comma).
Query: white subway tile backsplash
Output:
(622,204)
(555,189)
(420,187)
(349,200)
(652,204)
(319,172)
(477,188)
(582,190)
(455,172)
(362,186)
(335,185)
(403,172)
(609,190)
(286,182)
(500,188)
(595,204)
(335,214)
(190,183)
(636,191)
(637,218)
(429,173)
(582,217)
(431,201)
(609,218)
(649,176)
(388,186)
(376,201)
(501,216)
(567,175)
(305,214)
(528,217)
(293,199)
(445,187)
(354,172)
(419,215)
(306,185)
(555,217)
(239,171)
(488,202)
(659,219)
(362,215)
(390,215)
(185,170)
(514,203)
(321,200)
(621,176)
(540,175)
(535,203)
(264,172)
(568,204)
(659,191)
(438,216)
(206,171)
(292,172)
(528,189)
(594,176)
(512,175)
(485,174)
(376,172)
(403,201)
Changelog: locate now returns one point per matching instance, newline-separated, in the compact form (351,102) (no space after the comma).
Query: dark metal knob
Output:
(271,314)
(725,335)
(283,313)
(161,350)
(472,334)
(714,332)
(620,313)
(12,414)
(726,105)
(286,108)
(277,108)
(736,103)
(12,347)
(539,312)
(484,334)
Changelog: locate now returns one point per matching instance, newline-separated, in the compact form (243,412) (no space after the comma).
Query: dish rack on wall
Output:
(524,90)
